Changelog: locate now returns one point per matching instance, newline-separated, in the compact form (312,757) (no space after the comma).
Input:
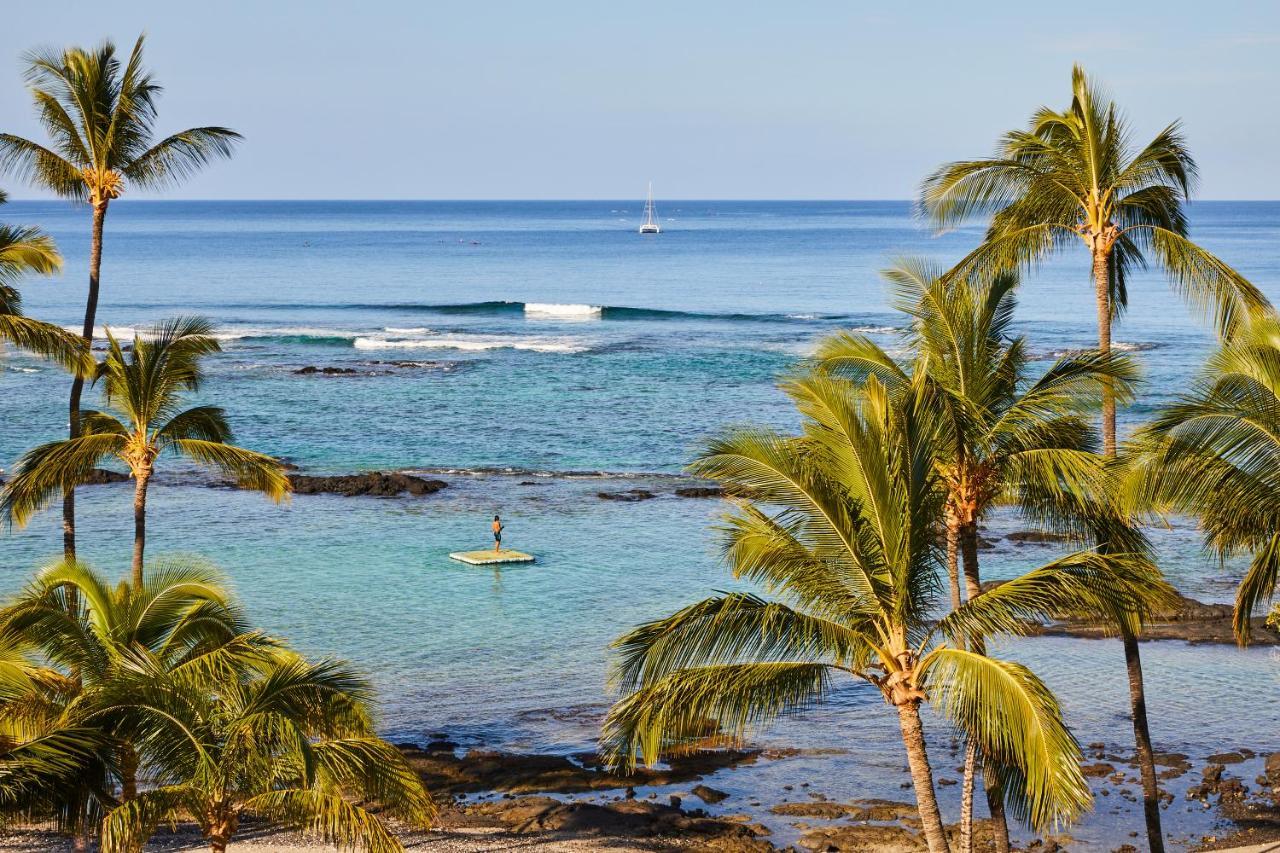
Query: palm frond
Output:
(1015,720)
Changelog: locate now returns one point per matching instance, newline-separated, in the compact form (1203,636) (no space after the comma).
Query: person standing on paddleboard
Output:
(497,534)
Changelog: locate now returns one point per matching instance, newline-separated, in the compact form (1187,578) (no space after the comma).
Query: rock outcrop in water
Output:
(99,477)
(520,773)
(629,496)
(372,483)
(1189,620)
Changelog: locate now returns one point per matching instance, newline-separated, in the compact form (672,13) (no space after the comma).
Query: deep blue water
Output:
(504,343)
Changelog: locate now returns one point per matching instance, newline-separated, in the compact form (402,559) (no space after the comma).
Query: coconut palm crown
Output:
(71,633)
(283,745)
(146,386)
(99,115)
(1072,178)
(840,531)
(1215,453)
(26,251)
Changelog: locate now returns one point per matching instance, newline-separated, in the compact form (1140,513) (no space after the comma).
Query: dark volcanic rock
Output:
(311,369)
(628,819)
(700,492)
(1188,619)
(374,483)
(1038,537)
(629,496)
(101,476)
(886,839)
(522,773)
(708,794)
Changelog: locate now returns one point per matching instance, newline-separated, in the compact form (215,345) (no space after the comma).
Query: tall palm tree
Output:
(24,251)
(84,633)
(99,116)
(1006,438)
(1073,176)
(281,745)
(1215,453)
(839,528)
(146,386)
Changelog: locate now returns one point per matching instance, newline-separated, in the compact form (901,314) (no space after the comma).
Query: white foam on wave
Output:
(284,332)
(473,343)
(413,330)
(563,311)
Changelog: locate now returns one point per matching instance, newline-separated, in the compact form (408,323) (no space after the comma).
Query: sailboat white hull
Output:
(650,224)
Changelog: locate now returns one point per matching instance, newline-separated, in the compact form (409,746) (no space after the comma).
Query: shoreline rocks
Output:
(372,483)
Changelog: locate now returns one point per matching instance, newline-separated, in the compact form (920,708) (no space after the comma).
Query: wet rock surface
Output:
(373,483)
(628,496)
(484,770)
(700,492)
(1189,620)
(627,818)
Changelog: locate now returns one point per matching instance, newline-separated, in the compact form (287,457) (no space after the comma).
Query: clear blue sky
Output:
(710,99)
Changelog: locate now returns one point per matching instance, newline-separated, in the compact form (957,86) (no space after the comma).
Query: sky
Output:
(565,99)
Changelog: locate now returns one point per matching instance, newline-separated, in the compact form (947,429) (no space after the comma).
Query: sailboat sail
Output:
(650,225)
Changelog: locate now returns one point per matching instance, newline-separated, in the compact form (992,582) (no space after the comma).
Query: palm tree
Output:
(1006,437)
(839,528)
(1215,453)
(1072,175)
(280,745)
(23,251)
(84,632)
(146,386)
(99,117)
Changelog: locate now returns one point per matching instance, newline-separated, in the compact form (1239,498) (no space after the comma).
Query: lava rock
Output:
(373,483)
(629,496)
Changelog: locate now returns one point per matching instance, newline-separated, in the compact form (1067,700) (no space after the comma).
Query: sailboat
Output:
(650,224)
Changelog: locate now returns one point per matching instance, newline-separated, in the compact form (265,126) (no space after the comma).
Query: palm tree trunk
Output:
(1142,739)
(128,772)
(995,794)
(1102,294)
(142,478)
(1132,655)
(922,777)
(77,384)
(966,797)
(953,559)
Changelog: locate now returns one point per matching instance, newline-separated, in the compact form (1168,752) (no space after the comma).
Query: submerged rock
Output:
(311,369)
(629,496)
(373,483)
(700,492)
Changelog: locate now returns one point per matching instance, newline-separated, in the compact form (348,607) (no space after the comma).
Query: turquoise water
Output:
(533,355)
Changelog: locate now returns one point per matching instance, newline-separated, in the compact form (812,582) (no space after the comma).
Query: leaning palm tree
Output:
(281,745)
(1215,454)
(1072,176)
(100,117)
(146,385)
(84,631)
(24,251)
(839,528)
(1006,438)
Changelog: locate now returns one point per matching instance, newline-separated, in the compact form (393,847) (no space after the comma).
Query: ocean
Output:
(534,355)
